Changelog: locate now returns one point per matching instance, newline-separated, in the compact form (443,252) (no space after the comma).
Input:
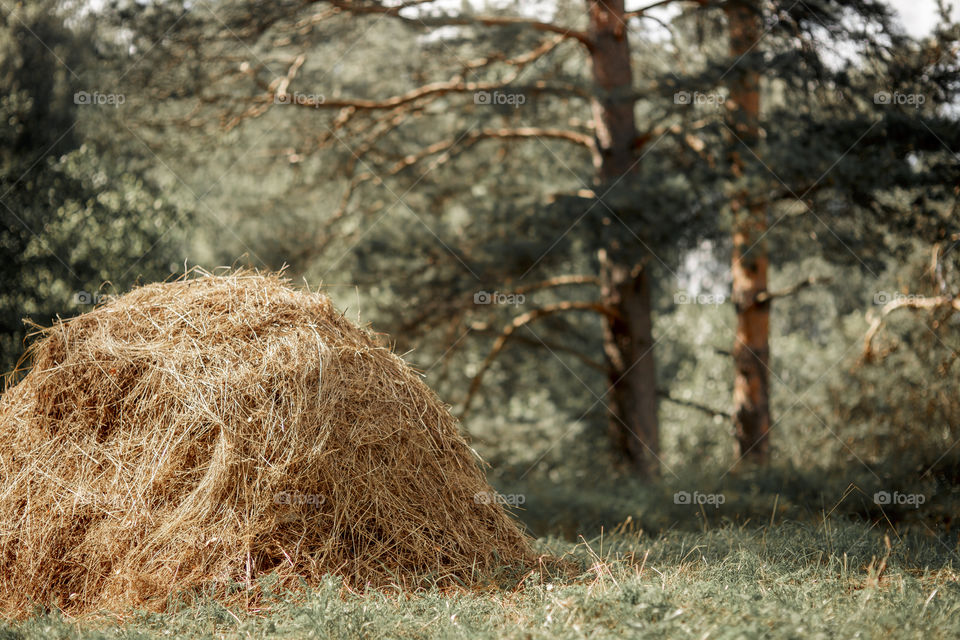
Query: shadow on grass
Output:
(700,499)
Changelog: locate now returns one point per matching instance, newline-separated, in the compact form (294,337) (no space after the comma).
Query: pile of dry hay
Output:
(218,428)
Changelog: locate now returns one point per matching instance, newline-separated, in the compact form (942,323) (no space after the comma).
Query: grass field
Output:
(836,579)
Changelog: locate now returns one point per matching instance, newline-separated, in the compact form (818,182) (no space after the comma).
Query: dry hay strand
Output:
(216,429)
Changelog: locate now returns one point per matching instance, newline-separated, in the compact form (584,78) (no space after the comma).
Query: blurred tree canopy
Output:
(73,217)
(425,155)
(412,164)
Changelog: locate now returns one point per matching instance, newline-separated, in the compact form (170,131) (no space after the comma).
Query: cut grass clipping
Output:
(215,429)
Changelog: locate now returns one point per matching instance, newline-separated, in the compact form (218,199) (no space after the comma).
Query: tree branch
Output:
(464,21)
(277,90)
(518,322)
(445,146)
(556,346)
(639,13)
(915,302)
(450,86)
(503,133)
(663,393)
(767,296)
(557,282)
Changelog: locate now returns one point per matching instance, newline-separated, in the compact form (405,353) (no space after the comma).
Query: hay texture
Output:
(202,433)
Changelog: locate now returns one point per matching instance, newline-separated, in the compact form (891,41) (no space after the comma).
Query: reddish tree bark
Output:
(751,351)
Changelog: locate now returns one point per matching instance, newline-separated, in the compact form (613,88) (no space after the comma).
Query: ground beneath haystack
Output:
(836,580)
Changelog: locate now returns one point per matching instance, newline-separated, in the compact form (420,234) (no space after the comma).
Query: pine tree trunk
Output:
(751,351)
(628,337)
(628,347)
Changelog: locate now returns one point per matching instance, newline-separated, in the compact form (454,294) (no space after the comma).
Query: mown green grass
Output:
(836,579)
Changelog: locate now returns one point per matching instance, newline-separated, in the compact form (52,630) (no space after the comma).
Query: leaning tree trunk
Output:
(628,336)
(751,352)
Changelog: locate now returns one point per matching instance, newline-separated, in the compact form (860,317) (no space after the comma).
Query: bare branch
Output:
(766,296)
(562,348)
(465,21)
(456,85)
(396,116)
(641,12)
(520,321)
(504,133)
(663,393)
(916,302)
(282,83)
(521,60)
(557,281)
(446,146)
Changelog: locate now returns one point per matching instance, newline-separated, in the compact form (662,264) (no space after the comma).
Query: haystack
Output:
(203,433)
